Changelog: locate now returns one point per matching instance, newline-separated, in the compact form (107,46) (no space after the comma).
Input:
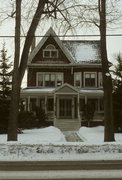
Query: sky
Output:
(114,43)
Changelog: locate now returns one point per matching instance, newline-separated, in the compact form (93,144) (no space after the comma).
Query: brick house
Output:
(64,79)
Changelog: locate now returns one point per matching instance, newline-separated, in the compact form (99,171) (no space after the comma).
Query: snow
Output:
(84,51)
(107,74)
(38,90)
(37,136)
(93,91)
(50,144)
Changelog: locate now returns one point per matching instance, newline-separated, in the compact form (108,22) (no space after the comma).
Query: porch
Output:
(64,106)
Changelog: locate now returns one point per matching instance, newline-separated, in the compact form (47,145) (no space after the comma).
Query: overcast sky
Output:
(114,43)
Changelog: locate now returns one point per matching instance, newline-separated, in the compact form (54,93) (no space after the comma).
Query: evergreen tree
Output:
(117,94)
(5,89)
(5,74)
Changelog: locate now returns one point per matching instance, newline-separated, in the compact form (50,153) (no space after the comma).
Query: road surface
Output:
(61,170)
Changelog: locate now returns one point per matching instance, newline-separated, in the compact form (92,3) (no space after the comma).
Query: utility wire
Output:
(81,35)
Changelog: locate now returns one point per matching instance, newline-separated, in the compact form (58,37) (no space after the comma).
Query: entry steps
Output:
(68,124)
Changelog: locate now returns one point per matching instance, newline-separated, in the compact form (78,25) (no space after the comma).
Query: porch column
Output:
(28,103)
(45,104)
(38,102)
(79,118)
(57,107)
(98,105)
(85,100)
(73,109)
(54,109)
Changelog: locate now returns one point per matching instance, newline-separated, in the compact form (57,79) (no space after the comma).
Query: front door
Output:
(65,108)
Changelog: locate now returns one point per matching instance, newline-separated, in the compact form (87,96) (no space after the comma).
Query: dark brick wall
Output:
(68,74)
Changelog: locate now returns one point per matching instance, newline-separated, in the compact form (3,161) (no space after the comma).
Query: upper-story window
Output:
(49,79)
(77,79)
(50,51)
(89,79)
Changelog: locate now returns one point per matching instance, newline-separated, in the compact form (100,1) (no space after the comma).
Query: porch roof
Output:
(37,91)
(44,91)
(93,92)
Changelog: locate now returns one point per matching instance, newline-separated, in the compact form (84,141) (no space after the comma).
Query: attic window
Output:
(50,51)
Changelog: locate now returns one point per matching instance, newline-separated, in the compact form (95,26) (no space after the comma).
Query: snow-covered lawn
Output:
(50,144)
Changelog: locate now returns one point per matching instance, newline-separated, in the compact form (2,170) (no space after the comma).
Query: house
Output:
(64,78)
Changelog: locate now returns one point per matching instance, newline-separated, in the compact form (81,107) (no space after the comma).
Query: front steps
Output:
(68,124)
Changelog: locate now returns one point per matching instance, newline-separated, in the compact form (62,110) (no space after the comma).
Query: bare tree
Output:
(12,125)
(50,7)
(107,80)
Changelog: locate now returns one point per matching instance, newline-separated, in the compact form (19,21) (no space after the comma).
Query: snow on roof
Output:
(84,51)
(37,90)
(91,91)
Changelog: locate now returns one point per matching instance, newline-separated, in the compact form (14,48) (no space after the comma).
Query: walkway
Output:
(71,136)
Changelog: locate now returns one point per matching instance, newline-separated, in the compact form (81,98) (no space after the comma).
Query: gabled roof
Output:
(51,32)
(66,89)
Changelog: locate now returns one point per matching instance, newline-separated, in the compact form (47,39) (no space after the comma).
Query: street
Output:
(61,170)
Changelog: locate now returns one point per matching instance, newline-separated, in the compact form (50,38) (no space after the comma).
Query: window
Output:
(40,80)
(100,82)
(89,79)
(77,79)
(49,79)
(50,52)
(59,79)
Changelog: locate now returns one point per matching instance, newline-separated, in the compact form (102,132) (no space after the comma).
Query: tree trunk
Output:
(19,69)
(107,80)
(14,106)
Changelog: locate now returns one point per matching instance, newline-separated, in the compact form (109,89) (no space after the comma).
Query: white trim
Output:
(35,65)
(50,50)
(44,73)
(75,73)
(68,85)
(95,79)
(99,79)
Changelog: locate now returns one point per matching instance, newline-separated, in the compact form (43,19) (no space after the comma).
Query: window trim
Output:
(44,73)
(50,50)
(75,73)
(95,79)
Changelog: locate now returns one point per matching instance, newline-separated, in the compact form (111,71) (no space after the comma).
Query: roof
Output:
(81,52)
(84,51)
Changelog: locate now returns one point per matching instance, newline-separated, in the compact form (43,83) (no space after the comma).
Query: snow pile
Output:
(92,135)
(37,136)
(50,144)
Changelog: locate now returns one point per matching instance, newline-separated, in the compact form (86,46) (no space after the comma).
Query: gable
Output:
(66,89)
(53,38)
(60,59)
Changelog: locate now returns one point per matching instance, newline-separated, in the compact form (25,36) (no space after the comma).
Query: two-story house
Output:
(62,78)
